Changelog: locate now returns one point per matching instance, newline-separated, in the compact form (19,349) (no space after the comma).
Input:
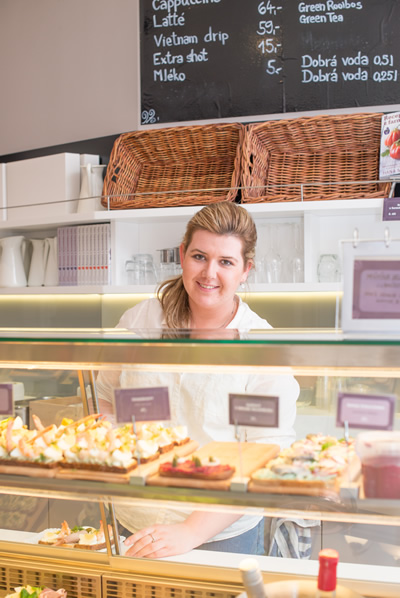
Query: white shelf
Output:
(322,225)
(292,287)
(78,290)
(183,213)
(372,205)
(138,216)
(149,289)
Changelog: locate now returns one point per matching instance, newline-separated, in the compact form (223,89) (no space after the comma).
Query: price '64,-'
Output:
(268,8)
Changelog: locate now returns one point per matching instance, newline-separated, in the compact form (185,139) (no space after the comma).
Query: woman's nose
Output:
(210,269)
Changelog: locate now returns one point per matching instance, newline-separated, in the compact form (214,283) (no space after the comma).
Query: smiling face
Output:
(212,269)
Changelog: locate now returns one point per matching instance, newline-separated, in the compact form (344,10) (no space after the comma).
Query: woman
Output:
(217,253)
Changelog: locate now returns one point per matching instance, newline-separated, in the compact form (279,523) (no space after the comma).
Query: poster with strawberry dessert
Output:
(389,165)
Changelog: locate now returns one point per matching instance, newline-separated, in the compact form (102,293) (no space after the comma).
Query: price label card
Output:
(370,412)
(376,289)
(6,399)
(371,286)
(143,404)
(254,410)
(391,208)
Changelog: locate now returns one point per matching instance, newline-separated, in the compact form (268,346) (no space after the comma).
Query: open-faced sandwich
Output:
(165,437)
(92,443)
(12,430)
(20,446)
(204,469)
(85,537)
(37,592)
(317,461)
(146,450)
(42,447)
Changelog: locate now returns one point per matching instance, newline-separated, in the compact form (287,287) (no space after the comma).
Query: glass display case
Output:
(65,365)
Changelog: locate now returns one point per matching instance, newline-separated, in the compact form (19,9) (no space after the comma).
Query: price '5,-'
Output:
(272,69)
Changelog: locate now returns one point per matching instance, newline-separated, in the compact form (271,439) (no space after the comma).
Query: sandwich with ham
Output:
(202,469)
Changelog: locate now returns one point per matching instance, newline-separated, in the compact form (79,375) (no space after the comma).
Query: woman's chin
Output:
(209,299)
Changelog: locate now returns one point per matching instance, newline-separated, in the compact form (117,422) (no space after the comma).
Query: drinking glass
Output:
(328,268)
(169,265)
(140,269)
(134,272)
(166,270)
(296,263)
(273,259)
(257,274)
(273,268)
(297,269)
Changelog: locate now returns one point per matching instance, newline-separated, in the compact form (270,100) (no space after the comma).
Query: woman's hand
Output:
(161,540)
(168,540)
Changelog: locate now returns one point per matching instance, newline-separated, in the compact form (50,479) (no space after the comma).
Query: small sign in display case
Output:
(253,410)
(369,412)
(142,404)
(6,400)
(371,285)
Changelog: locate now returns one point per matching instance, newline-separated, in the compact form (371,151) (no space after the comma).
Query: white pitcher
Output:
(40,250)
(51,268)
(91,188)
(12,271)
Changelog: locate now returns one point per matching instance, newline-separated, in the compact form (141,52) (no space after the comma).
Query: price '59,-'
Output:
(267,28)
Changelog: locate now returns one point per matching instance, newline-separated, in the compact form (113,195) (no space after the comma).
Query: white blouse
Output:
(200,401)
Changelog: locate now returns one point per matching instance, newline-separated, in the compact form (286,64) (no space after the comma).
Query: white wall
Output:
(69,70)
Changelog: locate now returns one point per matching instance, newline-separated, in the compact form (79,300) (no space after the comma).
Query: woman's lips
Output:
(207,287)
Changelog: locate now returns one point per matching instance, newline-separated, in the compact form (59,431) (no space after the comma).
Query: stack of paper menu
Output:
(84,255)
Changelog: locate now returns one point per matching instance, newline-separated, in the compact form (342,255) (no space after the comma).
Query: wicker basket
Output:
(176,166)
(334,157)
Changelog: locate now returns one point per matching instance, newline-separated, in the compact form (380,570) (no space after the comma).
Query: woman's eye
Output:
(198,256)
(226,263)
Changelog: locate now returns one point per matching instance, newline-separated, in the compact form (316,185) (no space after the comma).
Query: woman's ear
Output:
(181,252)
(247,269)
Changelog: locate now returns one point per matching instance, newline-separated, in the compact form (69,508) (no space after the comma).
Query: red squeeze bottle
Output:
(328,560)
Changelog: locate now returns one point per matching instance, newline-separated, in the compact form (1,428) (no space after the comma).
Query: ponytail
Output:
(224,218)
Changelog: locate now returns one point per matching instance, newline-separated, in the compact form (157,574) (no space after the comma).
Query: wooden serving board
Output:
(93,475)
(329,489)
(29,470)
(253,456)
(143,471)
(148,469)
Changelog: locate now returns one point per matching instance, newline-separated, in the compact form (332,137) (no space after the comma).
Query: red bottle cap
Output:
(328,560)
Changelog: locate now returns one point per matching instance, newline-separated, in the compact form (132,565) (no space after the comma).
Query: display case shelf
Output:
(344,508)
(323,353)
(302,351)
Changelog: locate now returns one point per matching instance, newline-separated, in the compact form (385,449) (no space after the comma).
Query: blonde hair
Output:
(223,218)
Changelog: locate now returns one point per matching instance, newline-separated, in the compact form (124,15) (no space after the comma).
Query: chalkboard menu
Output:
(211,59)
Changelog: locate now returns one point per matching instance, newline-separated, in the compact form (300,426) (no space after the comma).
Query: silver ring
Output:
(152,538)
